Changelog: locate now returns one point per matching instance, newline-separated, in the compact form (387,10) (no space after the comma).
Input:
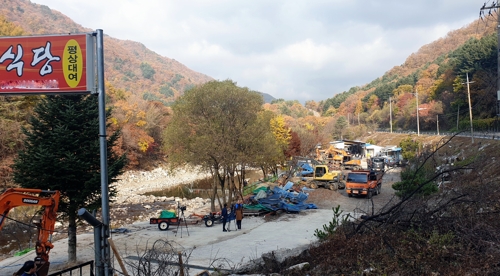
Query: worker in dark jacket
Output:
(224,217)
(29,269)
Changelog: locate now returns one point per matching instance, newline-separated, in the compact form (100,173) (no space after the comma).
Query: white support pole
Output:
(418,121)
(470,109)
(390,112)
(437,123)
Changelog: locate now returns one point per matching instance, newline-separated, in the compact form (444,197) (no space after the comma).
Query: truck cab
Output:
(377,164)
(363,182)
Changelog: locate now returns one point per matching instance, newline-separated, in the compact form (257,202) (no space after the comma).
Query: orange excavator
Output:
(338,159)
(331,154)
(15,197)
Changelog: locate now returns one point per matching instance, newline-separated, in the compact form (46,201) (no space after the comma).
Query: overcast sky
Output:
(291,49)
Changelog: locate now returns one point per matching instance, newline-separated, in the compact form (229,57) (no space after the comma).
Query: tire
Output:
(209,223)
(349,194)
(313,185)
(379,189)
(370,194)
(163,226)
(341,185)
(333,186)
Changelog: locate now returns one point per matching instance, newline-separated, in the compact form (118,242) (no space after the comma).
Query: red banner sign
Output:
(47,64)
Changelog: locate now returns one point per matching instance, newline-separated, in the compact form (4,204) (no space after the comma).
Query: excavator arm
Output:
(16,197)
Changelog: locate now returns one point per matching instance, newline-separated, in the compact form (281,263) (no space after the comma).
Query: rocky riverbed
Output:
(132,205)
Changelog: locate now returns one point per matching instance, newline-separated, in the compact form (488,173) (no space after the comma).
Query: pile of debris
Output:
(288,198)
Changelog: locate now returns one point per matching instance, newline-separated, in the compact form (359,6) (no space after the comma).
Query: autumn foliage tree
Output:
(294,145)
(216,126)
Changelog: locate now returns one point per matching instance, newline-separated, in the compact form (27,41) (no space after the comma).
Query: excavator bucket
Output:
(42,268)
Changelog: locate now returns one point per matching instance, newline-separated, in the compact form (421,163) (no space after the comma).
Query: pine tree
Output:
(61,152)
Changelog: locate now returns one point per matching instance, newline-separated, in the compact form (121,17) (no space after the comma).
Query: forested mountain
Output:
(141,85)
(438,73)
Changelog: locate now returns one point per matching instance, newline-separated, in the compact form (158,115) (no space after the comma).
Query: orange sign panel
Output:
(47,64)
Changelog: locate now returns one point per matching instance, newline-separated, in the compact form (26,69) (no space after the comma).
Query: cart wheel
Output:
(209,223)
(163,226)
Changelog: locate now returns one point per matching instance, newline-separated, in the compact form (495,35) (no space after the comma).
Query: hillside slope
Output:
(437,72)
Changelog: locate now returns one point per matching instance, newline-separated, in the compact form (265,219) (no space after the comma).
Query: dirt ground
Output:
(259,235)
(326,199)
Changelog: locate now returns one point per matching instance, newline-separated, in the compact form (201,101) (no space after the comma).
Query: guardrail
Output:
(79,269)
(478,135)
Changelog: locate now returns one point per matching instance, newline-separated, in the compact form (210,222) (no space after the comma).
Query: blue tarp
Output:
(306,169)
(284,199)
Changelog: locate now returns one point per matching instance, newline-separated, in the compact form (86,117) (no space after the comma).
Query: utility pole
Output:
(437,123)
(418,122)
(390,112)
(495,5)
(470,109)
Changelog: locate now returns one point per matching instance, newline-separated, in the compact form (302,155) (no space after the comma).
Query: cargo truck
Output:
(363,182)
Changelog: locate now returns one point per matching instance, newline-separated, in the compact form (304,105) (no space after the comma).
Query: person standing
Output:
(239,214)
(29,269)
(224,217)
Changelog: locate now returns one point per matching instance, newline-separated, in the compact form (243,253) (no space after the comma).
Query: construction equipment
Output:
(298,166)
(353,164)
(327,178)
(344,160)
(331,155)
(338,159)
(15,197)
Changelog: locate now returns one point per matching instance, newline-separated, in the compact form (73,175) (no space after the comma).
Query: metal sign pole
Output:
(106,255)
